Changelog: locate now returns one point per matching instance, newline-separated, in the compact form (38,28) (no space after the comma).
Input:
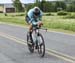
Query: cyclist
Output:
(34,17)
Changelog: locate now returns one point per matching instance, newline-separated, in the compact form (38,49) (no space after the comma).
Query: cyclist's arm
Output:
(40,16)
(30,15)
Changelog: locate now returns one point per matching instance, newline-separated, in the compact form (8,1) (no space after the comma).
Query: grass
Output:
(50,22)
(1,8)
(57,22)
(12,18)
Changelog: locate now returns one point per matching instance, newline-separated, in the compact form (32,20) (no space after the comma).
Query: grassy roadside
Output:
(57,22)
(54,23)
(13,18)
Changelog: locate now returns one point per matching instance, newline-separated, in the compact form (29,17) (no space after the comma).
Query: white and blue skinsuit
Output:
(31,16)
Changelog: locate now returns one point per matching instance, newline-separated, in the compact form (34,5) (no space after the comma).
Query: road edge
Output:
(49,30)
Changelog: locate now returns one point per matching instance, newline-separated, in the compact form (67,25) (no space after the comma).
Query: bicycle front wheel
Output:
(41,45)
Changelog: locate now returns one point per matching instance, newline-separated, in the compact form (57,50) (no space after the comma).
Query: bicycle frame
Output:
(36,33)
(36,30)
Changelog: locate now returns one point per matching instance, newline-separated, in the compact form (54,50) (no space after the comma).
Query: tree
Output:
(69,1)
(29,6)
(37,2)
(42,5)
(60,5)
(18,6)
(71,7)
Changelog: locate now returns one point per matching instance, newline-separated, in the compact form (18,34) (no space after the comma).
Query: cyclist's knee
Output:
(30,28)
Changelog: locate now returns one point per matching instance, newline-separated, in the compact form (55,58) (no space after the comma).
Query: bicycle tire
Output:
(41,52)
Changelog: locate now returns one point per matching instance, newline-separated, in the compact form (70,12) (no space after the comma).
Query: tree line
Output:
(54,6)
(47,6)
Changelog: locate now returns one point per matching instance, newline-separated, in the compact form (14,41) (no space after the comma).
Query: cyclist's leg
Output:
(30,30)
(30,33)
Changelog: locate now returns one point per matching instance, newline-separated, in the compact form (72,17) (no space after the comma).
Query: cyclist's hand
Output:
(40,24)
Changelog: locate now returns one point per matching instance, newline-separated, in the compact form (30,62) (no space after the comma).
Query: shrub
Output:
(19,14)
(62,13)
(48,14)
(70,16)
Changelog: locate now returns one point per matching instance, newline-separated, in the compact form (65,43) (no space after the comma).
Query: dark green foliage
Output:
(60,6)
(48,14)
(29,6)
(20,15)
(48,6)
(17,4)
(62,13)
(70,16)
(71,7)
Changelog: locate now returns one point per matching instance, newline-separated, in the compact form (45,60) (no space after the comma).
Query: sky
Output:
(28,1)
(23,1)
(31,1)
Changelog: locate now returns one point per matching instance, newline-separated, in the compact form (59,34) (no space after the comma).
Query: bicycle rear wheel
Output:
(41,45)
(30,46)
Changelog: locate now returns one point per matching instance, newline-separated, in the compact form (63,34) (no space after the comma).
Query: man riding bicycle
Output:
(33,18)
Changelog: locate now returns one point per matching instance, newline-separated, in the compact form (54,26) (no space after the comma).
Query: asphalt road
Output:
(60,47)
